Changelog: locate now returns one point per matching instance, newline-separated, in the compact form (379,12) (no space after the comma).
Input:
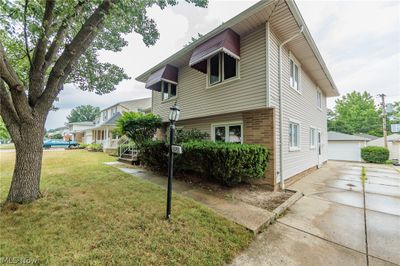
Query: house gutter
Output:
(281,106)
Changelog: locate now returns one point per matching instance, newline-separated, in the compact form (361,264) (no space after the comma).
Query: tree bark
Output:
(25,185)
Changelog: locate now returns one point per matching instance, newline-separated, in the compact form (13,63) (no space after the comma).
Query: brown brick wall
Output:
(259,128)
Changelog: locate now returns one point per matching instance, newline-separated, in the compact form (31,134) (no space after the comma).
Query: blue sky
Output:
(359,40)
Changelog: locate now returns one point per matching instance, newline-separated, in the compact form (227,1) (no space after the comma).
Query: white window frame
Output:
(294,148)
(319,99)
(105,115)
(227,125)
(169,91)
(313,137)
(296,62)
(222,79)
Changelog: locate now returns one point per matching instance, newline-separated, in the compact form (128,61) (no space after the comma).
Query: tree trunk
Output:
(25,185)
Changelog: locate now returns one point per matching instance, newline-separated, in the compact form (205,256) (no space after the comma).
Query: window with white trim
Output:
(168,90)
(105,115)
(294,136)
(313,137)
(232,133)
(221,67)
(319,99)
(294,75)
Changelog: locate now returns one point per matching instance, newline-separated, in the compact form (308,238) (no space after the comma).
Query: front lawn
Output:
(91,213)
(9,146)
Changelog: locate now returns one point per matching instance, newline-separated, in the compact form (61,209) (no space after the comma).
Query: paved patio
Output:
(326,226)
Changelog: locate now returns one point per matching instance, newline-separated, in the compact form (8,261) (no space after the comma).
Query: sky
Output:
(359,41)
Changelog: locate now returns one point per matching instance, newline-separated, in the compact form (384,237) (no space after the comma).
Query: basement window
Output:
(231,133)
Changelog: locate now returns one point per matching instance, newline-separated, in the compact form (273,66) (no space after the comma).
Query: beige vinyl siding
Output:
(204,123)
(246,93)
(300,107)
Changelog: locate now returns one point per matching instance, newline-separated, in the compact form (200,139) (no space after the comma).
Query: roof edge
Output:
(236,19)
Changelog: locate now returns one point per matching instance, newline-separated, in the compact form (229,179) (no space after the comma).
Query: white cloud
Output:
(360,42)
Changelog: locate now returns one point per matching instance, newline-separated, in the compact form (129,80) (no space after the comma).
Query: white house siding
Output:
(246,93)
(300,107)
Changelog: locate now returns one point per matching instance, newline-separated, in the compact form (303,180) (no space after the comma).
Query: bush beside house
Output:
(226,163)
(375,154)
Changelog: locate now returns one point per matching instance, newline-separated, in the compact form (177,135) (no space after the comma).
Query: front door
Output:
(319,148)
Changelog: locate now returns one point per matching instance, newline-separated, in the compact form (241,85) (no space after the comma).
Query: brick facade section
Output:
(259,128)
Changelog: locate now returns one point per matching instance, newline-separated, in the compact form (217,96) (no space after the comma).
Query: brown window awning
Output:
(167,73)
(227,41)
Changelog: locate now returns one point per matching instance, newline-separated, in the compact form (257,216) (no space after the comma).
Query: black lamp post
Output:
(174,112)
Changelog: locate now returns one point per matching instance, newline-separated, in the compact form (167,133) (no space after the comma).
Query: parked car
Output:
(47,144)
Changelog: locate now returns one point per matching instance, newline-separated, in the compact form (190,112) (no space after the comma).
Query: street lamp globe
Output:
(174,112)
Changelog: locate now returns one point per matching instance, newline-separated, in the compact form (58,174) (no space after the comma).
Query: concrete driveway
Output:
(328,226)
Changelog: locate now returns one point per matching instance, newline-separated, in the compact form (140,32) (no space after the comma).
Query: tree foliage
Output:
(355,113)
(45,44)
(4,135)
(138,127)
(83,113)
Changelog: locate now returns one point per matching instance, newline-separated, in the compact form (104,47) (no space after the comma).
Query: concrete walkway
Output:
(326,226)
(249,216)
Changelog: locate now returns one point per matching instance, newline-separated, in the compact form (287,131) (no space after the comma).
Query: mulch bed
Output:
(257,195)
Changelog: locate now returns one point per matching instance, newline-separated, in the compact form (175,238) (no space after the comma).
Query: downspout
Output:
(281,106)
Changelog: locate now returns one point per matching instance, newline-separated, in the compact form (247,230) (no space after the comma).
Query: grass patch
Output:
(94,214)
(9,146)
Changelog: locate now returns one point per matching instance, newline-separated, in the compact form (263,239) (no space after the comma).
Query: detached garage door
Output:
(345,150)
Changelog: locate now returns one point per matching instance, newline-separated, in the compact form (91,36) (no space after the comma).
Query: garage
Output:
(345,147)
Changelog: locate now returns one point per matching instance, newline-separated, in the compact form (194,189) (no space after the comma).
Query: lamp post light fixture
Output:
(174,112)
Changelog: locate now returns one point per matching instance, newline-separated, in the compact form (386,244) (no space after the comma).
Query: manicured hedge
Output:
(226,163)
(375,154)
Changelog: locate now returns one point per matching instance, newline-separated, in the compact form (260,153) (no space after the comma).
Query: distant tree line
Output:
(356,113)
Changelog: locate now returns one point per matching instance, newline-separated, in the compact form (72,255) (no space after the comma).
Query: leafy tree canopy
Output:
(4,135)
(138,127)
(83,113)
(355,113)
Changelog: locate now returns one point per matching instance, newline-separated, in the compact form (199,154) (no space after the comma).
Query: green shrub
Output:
(194,134)
(226,163)
(375,154)
(95,147)
(154,154)
(137,126)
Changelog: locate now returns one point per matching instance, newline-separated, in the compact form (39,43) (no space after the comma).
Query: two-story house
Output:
(257,78)
(104,124)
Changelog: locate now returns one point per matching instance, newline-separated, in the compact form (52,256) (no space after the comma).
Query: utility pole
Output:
(384,115)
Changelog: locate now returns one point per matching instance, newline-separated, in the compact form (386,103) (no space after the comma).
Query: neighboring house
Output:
(345,147)
(104,124)
(60,130)
(393,144)
(228,83)
(76,130)
(369,137)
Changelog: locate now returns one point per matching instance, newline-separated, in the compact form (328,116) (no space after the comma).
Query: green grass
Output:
(7,146)
(94,214)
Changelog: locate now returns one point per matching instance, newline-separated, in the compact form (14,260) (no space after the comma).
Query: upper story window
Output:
(168,90)
(113,111)
(105,115)
(221,67)
(319,99)
(294,136)
(294,73)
